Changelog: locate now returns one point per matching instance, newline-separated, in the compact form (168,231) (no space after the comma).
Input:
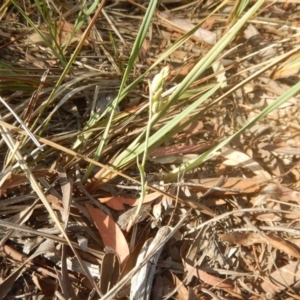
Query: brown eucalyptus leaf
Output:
(110,232)
(110,271)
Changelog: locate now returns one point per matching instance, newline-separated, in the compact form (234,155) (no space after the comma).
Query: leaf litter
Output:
(226,228)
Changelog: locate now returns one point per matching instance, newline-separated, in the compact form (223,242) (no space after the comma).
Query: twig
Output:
(35,141)
(78,182)
(213,188)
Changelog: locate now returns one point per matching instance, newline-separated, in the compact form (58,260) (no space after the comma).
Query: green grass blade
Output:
(199,160)
(57,54)
(66,69)
(133,56)
(130,153)
(97,117)
(136,149)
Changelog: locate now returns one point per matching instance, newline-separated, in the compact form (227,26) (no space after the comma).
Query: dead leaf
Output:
(14,180)
(37,62)
(182,291)
(118,203)
(241,238)
(36,38)
(142,281)
(193,128)
(157,289)
(66,188)
(184,26)
(144,50)
(189,258)
(284,277)
(209,22)
(250,238)
(132,258)
(110,232)
(45,285)
(238,158)
(290,67)
(244,185)
(110,272)
(13,254)
(66,33)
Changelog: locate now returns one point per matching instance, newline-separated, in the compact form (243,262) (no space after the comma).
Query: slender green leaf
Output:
(200,159)
(127,156)
(133,56)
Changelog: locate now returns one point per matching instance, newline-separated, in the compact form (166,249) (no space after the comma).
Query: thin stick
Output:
(35,141)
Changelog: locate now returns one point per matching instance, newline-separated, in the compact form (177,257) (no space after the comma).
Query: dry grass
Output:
(149,150)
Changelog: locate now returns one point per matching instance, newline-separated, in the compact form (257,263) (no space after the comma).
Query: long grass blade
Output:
(129,155)
(133,56)
(199,160)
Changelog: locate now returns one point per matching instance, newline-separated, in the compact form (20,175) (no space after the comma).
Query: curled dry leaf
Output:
(250,238)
